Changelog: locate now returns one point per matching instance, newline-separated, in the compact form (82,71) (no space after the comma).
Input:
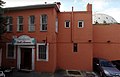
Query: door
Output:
(26,58)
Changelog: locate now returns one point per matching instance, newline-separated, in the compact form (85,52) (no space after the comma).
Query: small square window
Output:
(80,24)
(67,24)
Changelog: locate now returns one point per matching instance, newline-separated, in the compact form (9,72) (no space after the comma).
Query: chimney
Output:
(58,4)
(89,7)
(45,2)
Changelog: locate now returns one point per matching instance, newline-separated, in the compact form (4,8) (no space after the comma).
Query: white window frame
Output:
(46,52)
(31,25)
(65,23)
(18,24)
(9,24)
(14,57)
(42,23)
(82,23)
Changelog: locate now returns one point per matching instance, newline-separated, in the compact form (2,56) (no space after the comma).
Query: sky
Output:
(109,7)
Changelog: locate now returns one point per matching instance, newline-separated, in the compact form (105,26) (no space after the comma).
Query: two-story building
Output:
(41,38)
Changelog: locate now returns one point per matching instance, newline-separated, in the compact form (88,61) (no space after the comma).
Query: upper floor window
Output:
(20,23)
(31,23)
(67,24)
(9,24)
(10,51)
(42,52)
(56,24)
(43,23)
(80,24)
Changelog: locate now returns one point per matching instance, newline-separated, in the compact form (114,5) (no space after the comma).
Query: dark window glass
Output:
(80,24)
(10,50)
(67,24)
(20,23)
(9,24)
(42,52)
(75,47)
(43,22)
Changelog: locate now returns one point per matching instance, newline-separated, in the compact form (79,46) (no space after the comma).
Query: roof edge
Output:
(32,7)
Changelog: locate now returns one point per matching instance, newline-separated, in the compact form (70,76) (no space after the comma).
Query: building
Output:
(106,38)
(41,38)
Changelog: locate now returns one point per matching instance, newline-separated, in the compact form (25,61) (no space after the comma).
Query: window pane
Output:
(44,27)
(9,23)
(10,27)
(20,27)
(44,22)
(80,24)
(20,20)
(67,24)
(10,20)
(32,19)
(10,50)
(42,52)
(44,18)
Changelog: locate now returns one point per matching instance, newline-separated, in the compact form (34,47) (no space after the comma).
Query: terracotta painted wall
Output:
(102,34)
(67,59)
(49,66)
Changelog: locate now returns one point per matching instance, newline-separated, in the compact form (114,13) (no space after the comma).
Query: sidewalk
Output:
(17,73)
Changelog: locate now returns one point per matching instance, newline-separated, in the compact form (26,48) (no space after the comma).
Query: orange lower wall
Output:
(107,51)
(50,65)
(7,62)
(81,60)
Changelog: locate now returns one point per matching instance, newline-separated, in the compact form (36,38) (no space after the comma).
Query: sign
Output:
(24,40)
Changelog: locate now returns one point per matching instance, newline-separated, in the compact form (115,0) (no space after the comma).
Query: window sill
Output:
(42,60)
(31,31)
(43,30)
(9,31)
(19,31)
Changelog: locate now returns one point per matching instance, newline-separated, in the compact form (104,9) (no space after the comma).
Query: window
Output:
(20,23)
(80,24)
(67,24)
(10,49)
(56,24)
(74,47)
(43,23)
(9,24)
(31,23)
(42,52)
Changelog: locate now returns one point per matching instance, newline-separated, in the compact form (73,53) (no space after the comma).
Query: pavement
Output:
(60,73)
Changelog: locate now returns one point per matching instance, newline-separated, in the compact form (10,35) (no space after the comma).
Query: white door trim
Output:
(19,56)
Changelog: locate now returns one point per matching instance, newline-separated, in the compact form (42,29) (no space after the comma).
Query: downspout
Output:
(72,25)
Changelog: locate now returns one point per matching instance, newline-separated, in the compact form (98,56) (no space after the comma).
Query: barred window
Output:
(42,52)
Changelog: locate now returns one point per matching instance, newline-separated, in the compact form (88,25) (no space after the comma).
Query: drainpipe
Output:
(72,25)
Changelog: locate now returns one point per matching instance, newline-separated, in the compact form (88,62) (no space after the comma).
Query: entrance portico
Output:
(25,52)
